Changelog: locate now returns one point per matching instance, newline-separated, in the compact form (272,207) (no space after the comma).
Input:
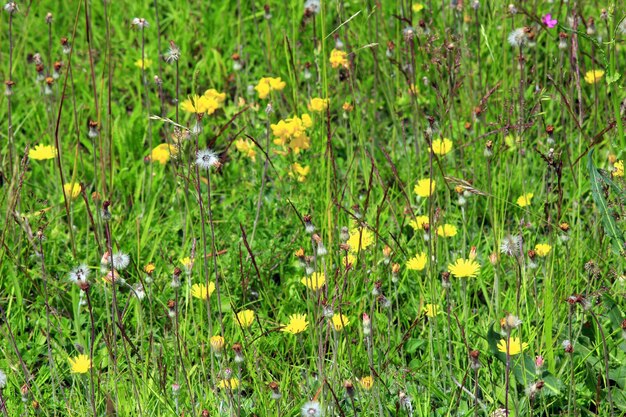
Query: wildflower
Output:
(206,159)
(276,395)
(173,53)
(567,346)
(593,76)
(441,146)
(517,38)
(217,344)
(419,223)
(367,325)
(238,349)
(140,23)
(143,63)
(213,94)
(162,152)
(315,282)
(524,199)
(311,409)
(93,131)
(360,239)
(268,84)
(339,321)
(119,260)
(417,7)
(464,268)
(431,310)
(549,21)
(201,291)
(112,277)
(292,132)
(312,6)
(245,318)
(299,172)
(425,187)
(447,230)
(231,384)
(80,364)
(79,274)
(318,104)
(366,382)
(297,324)
(542,249)
(618,169)
(246,147)
(194,104)
(3,379)
(72,190)
(511,245)
(515,346)
(510,322)
(41,152)
(11,7)
(338,59)
(347,106)
(417,263)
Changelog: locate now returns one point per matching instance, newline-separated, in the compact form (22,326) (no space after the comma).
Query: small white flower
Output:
(140,22)
(3,379)
(139,292)
(11,7)
(517,38)
(206,159)
(311,409)
(313,6)
(173,53)
(79,274)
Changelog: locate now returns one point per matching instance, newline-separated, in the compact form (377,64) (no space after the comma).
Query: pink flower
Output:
(549,21)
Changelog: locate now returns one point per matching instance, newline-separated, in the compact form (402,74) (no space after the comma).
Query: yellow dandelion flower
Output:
(246,147)
(187,262)
(515,346)
(267,85)
(42,152)
(417,7)
(201,291)
(297,324)
(366,382)
(217,343)
(314,282)
(245,318)
(72,190)
(149,268)
(431,310)
(145,63)
(80,364)
(338,59)
(318,104)
(299,172)
(447,230)
(360,236)
(542,249)
(593,76)
(339,321)
(162,152)
(419,223)
(441,146)
(464,268)
(194,104)
(618,169)
(418,262)
(524,199)
(425,187)
(230,384)
(213,94)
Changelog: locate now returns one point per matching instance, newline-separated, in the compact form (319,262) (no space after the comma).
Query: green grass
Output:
(412,77)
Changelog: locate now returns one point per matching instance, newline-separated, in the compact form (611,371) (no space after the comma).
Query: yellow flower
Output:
(339,321)
(231,384)
(213,94)
(417,7)
(299,172)
(441,146)
(217,343)
(447,230)
(315,281)
(347,107)
(194,104)
(149,268)
(210,103)
(81,364)
(143,62)
(524,199)
(318,104)
(338,59)
(362,236)
(72,190)
(515,346)
(292,132)
(618,169)
(162,152)
(431,310)
(245,318)
(366,382)
(297,324)
(246,147)
(201,291)
(464,268)
(419,223)
(418,262)
(268,84)
(542,249)
(593,76)
(424,187)
(187,262)
(41,152)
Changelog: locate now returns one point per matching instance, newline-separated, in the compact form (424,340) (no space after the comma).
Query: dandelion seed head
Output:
(207,159)
(517,38)
(311,409)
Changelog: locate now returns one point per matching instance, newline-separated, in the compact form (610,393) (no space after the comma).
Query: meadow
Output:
(313,208)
